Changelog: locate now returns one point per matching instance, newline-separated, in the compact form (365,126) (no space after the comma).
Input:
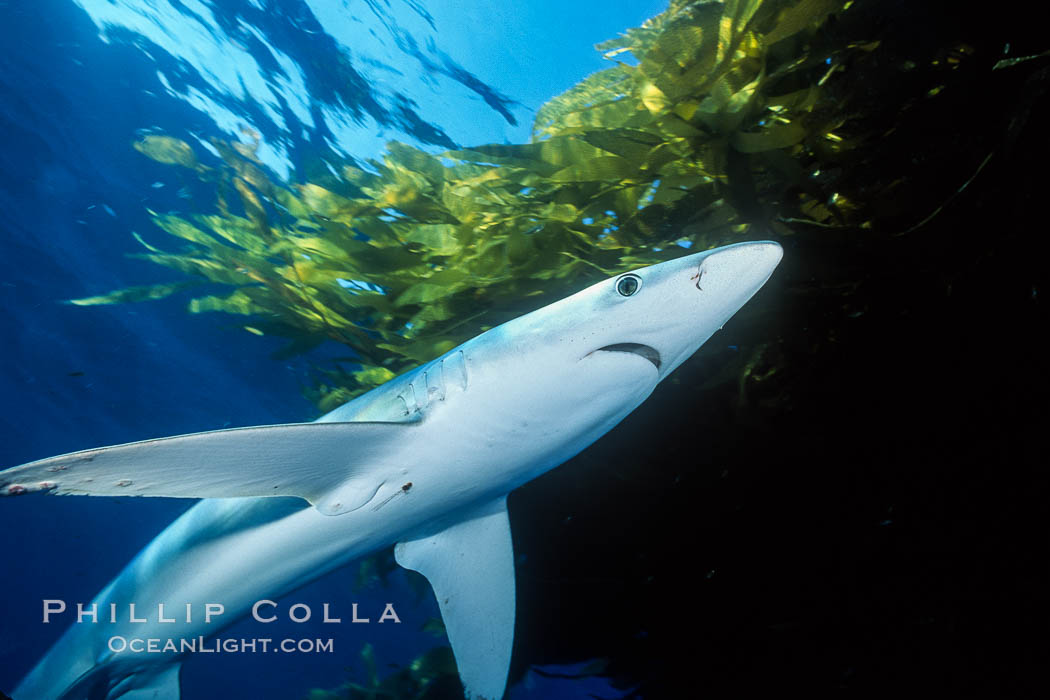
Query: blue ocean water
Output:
(318,80)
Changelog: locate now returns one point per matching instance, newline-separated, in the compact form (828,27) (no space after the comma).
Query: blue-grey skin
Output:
(424,462)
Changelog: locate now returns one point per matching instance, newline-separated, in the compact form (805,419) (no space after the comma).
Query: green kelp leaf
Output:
(436,239)
(678,45)
(434,626)
(806,14)
(368,656)
(631,144)
(421,293)
(560,151)
(630,40)
(559,212)
(735,19)
(183,229)
(235,229)
(253,207)
(519,249)
(416,161)
(667,194)
(524,157)
(321,694)
(604,168)
(434,664)
(144,244)
(422,350)
(800,100)
(769,138)
(654,99)
(373,376)
(600,89)
(289,202)
(325,203)
(236,303)
(324,248)
(436,286)
(618,112)
(250,172)
(741,12)
(628,198)
(143,293)
(678,131)
(405,203)
(725,109)
(211,270)
(166,149)
(387,260)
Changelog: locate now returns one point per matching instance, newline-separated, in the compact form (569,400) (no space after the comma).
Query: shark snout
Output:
(697,294)
(739,269)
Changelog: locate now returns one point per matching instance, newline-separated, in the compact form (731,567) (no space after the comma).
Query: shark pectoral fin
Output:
(470,566)
(313,461)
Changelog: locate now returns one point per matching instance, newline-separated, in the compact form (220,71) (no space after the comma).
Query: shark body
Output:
(424,462)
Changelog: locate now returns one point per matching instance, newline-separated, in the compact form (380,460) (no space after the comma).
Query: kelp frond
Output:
(718,124)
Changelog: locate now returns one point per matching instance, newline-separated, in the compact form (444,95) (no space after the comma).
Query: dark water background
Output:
(878,524)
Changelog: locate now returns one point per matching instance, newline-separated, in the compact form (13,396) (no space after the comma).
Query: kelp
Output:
(717,121)
(430,675)
(403,257)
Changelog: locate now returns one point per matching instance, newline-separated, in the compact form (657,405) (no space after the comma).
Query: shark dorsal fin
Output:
(470,566)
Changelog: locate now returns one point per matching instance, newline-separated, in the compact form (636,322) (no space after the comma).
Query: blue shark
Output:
(423,462)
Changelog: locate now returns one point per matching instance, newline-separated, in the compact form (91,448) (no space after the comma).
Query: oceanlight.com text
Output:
(202,645)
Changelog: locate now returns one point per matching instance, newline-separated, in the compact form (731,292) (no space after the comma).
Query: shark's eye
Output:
(628,285)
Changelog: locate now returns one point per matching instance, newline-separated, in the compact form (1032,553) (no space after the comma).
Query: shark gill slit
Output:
(434,383)
(454,370)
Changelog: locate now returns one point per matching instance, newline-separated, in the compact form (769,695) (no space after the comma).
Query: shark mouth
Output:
(645,351)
